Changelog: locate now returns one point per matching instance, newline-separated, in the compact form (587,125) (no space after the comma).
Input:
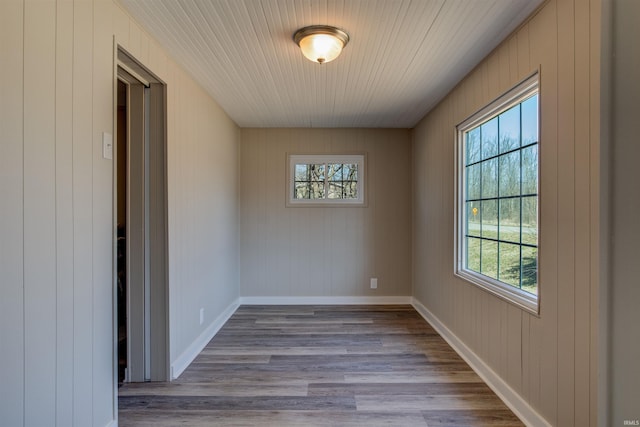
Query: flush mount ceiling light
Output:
(321,43)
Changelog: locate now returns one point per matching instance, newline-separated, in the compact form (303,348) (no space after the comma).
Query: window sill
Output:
(326,204)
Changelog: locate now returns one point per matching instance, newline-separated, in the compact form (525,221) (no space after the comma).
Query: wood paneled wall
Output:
(203,211)
(56,312)
(549,360)
(624,198)
(202,187)
(324,251)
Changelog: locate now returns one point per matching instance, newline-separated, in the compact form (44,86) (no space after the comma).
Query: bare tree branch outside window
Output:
(326,181)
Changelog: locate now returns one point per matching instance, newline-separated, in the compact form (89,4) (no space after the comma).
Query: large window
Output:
(497,202)
(326,180)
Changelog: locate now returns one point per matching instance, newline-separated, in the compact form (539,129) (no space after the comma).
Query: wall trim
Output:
(509,396)
(184,360)
(385,300)
(112,423)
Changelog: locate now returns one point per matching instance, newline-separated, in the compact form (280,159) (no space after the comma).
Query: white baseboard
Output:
(324,300)
(510,397)
(184,360)
(112,423)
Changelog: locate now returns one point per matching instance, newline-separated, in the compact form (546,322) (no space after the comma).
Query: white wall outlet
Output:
(201,316)
(374,283)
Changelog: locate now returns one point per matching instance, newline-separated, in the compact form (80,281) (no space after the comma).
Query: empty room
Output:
(319,213)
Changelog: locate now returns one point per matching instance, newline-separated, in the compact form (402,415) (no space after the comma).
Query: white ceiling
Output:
(403,56)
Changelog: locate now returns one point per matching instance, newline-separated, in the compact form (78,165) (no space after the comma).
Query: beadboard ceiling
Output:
(403,56)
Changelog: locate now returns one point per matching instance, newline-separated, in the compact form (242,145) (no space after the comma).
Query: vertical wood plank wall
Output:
(316,251)
(624,292)
(12,307)
(203,210)
(548,359)
(56,313)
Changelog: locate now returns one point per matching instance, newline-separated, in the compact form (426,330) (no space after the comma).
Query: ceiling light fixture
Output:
(321,43)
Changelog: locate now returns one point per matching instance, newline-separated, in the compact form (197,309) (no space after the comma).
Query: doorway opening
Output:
(140,217)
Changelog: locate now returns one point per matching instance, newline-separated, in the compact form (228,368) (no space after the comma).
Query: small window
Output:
(497,202)
(326,180)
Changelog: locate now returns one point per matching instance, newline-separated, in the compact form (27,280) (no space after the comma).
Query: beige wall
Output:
(324,251)
(56,314)
(624,292)
(549,360)
(203,210)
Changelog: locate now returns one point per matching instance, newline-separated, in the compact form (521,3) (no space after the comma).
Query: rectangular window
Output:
(497,201)
(326,180)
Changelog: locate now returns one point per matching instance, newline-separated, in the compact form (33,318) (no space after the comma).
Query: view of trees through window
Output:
(501,196)
(326,181)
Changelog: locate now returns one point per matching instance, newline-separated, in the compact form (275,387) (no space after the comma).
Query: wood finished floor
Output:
(320,366)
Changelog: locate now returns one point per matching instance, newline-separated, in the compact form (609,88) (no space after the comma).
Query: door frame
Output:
(154,175)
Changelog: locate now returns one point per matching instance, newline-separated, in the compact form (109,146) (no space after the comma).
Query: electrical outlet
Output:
(374,283)
(201,316)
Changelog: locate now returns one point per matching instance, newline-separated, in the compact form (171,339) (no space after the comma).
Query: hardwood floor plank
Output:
(476,418)
(206,357)
(424,403)
(238,350)
(244,403)
(413,377)
(234,389)
(320,366)
(258,378)
(274,419)
(398,389)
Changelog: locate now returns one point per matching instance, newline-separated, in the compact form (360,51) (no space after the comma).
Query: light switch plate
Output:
(107,145)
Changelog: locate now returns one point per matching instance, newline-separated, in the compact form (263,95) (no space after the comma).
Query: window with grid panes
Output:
(326,179)
(497,203)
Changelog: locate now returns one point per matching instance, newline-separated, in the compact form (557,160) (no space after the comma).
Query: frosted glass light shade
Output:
(321,43)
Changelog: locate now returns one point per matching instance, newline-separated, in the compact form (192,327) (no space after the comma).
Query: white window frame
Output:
(516,296)
(294,159)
